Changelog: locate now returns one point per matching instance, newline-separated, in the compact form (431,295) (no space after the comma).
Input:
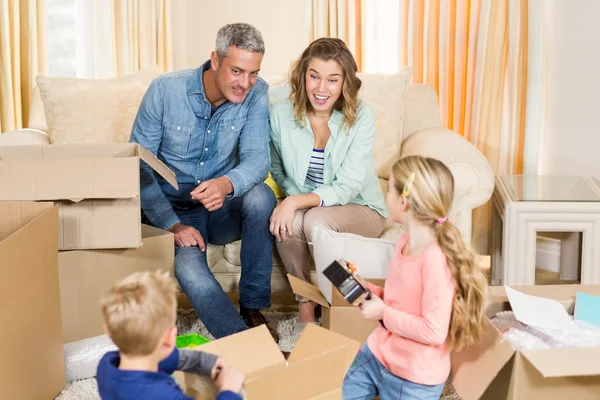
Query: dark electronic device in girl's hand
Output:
(344,277)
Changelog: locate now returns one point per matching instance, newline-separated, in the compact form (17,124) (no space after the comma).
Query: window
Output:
(60,37)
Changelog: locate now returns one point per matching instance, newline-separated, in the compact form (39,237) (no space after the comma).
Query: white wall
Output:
(283,24)
(571,139)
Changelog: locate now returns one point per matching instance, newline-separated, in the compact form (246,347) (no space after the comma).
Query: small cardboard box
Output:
(31,349)
(494,369)
(96,185)
(86,276)
(320,357)
(339,316)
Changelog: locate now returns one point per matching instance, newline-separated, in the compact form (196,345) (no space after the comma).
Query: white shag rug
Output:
(188,322)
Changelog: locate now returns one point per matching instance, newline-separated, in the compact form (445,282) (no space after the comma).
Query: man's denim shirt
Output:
(174,123)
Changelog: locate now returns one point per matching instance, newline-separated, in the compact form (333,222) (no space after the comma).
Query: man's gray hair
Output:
(241,35)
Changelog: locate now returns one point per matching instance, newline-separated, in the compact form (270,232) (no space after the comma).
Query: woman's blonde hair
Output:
(138,311)
(326,49)
(430,196)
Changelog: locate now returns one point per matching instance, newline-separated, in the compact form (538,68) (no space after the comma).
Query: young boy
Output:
(139,316)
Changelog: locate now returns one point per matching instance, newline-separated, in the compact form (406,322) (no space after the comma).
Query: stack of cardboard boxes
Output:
(70,227)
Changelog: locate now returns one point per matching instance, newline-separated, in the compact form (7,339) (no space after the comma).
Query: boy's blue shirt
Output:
(116,384)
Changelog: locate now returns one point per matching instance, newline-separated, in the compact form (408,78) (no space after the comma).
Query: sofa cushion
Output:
(92,110)
(386,94)
(372,256)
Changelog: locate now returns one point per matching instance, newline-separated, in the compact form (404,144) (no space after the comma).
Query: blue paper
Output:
(587,308)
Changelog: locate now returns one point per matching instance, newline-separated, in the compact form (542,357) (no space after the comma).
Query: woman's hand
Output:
(373,308)
(282,218)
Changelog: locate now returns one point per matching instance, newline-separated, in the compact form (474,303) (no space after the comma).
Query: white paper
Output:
(538,312)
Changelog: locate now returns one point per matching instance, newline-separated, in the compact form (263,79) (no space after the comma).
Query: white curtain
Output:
(119,37)
(380,50)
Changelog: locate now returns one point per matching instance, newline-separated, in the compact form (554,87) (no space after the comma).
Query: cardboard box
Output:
(320,357)
(31,348)
(86,276)
(96,185)
(493,369)
(339,316)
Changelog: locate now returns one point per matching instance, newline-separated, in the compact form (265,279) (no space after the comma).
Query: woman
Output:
(322,140)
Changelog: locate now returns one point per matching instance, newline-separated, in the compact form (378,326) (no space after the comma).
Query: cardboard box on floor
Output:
(339,316)
(494,369)
(320,357)
(96,185)
(86,276)
(31,349)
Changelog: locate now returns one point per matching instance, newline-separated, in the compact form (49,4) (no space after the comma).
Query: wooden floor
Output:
(284,302)
(542,277)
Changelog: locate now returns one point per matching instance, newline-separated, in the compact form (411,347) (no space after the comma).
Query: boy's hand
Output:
(217,368)
(230,379)
(373,309)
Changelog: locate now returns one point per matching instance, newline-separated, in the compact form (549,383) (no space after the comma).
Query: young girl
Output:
(433,297)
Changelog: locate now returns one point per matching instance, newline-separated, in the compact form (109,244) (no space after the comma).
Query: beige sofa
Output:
(417,114)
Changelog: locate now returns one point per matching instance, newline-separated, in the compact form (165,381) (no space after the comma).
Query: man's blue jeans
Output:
(246,217)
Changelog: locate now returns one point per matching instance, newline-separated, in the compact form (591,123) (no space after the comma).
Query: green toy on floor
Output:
(190,340)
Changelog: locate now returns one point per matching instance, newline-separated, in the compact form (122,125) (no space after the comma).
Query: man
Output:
(210,126)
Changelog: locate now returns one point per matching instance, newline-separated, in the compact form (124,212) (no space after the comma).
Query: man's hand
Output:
(187,236)
(282,218)
(373,309)
(230,379)
(217,368)
(212,193)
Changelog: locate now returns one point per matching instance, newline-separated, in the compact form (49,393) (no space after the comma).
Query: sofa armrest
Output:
(24,137)
(473,174)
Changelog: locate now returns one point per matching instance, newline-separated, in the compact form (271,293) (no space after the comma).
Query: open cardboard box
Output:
(494,369)
(339,316)
(320,357)
(96,185)
(32,364)
(87,275)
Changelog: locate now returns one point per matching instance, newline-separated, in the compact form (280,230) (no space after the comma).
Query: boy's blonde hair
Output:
(138,311)
(430,197)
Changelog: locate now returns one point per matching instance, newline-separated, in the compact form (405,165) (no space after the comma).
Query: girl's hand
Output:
(373,309)
(281,219)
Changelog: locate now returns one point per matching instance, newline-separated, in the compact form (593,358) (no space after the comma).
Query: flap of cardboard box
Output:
(158,166)
(15,215)
(252,352)
(320,356)
(307,290)
(63,172)
(316,341)
(474,368)
(562,362)
(21,243)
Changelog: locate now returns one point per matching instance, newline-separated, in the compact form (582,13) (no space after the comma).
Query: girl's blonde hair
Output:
(326,49)
(430,196)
